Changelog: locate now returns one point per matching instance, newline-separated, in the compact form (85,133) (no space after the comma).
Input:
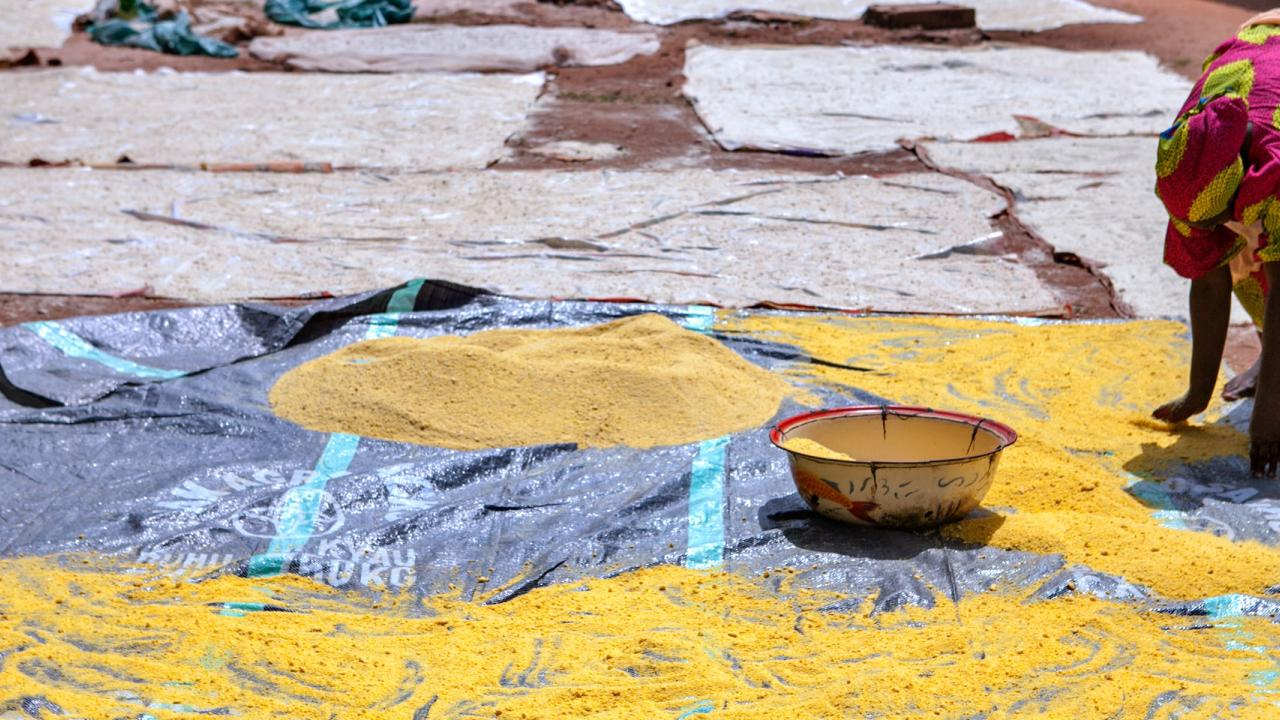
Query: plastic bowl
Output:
(912,467)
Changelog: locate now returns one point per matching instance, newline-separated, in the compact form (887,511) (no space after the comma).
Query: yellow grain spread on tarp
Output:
(106,642)
(640,382)
(1079,395)
(101,640)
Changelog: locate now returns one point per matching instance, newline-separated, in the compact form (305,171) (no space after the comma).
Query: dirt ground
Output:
(1179,32)
(637,105)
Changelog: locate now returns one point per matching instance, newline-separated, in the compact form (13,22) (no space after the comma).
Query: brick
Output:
(936,16)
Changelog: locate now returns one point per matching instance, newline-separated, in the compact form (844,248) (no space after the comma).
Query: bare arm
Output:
(1210,318)
(1264,428)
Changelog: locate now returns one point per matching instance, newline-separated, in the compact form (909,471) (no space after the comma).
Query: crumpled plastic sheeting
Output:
(149,32)
(161,346)
(1033,15)
(38,23)
(450,48)
(1092,197)
(731,238)
(350,13)
(420,518)
(399,515)
(848,100)
(415,122)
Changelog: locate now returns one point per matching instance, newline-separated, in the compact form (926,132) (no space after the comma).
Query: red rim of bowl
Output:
(1007,435)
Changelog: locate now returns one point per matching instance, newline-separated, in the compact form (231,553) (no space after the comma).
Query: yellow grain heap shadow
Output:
(1079,396)
(641,382)
(105,642)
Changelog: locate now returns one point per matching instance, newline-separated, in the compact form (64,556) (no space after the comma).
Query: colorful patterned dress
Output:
(1218,168)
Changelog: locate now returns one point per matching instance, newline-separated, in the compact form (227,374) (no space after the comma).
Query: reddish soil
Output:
(15,308)
(1181,33)
(1243,348)
(80,50)
(638,105)
(1251,5)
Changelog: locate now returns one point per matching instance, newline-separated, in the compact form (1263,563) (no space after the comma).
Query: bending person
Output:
(1218,175)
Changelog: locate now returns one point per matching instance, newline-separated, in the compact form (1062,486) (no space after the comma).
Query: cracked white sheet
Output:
(1031,15)
(450,48)
(38,23)
(686,236)
(1092,197)
(848,100)
(405,121)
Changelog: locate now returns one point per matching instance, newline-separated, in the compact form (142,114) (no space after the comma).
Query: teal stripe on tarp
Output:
(706,506)
(381,326)
(246,606)
(1153,495)
(403,300)
(706,480)
(703,708)
(1172,519)
(299,507)
(700,318)
(174,707)
(1229,606)
(1263,680)
(241,609)
(72,345)
(1224,609)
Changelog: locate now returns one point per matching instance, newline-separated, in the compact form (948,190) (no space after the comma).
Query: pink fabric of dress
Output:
(1238,93)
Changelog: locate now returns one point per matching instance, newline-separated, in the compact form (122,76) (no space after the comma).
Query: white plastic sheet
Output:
(1032,15)
(1092,197)
(685,236)
(847,100)
(405,121)
(38,23)
(451,48)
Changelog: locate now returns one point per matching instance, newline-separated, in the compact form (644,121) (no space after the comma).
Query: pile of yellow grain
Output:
(643,381)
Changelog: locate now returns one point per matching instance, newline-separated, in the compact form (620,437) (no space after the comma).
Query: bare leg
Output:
(1210,318)
(1264,428)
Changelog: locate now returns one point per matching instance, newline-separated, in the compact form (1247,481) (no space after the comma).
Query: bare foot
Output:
(1264,458)
(1264,434)
(1181,409)
(1242,385)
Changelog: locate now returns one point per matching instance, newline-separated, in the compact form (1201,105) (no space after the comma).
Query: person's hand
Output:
(1181,409)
